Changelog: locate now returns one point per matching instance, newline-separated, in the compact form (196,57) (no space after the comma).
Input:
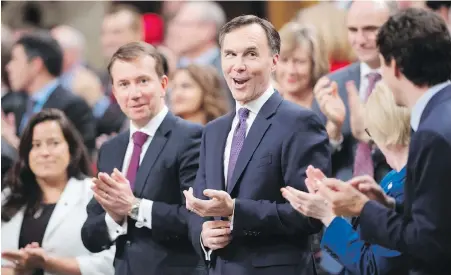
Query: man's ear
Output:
(275,59)
(164,84)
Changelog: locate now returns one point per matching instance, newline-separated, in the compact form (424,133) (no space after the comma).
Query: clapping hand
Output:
(220,203)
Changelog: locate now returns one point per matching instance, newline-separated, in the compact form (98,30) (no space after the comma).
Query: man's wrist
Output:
(361,204)
(333,130)
(134,209)
(232,207)
(328,220)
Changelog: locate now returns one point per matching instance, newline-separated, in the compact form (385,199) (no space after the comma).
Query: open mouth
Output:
(240,81)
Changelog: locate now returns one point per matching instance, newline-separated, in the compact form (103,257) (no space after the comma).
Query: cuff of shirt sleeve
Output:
(207,253)
(115,230)
(145,214)
(336,144)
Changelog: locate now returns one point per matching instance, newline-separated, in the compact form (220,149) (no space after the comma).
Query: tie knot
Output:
(243,113)
(139,138)
(374,77)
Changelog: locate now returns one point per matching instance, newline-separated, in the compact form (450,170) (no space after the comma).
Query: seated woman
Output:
(196,94)
(302,62)
(388,125)
(44,203)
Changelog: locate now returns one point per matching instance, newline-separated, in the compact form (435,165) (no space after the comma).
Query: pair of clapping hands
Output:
(114,194)
(328,197)
(25,260)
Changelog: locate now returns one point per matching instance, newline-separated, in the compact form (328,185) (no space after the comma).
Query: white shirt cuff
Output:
(145,214)
(115,230)
(207,253)
(336,144)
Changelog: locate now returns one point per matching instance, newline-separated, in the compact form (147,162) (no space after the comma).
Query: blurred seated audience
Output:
(44,202)
(303,60)
(388,126)
(196,94)
(330,23)
(36,63)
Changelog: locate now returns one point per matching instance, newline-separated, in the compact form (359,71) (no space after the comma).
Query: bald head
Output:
(69,37)
(72,42)
(363,22)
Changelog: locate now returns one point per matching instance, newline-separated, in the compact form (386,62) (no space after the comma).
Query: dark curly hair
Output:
(24,190)
(419,42)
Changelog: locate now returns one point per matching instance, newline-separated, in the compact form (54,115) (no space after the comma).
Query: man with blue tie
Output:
(247,227)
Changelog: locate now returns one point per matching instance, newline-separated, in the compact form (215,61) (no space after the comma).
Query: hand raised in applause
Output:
(220,203)
(216,234)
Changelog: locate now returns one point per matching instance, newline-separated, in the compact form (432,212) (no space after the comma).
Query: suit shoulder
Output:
(343,73)
(188,128)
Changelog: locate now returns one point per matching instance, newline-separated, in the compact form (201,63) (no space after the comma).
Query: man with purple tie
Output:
(138,203)
(240,222)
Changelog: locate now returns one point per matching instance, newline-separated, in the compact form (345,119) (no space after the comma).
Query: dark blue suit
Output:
(269,236)
(422,227)
(169,167)
(344,243)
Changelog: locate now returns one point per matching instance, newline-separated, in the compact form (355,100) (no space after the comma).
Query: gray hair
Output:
(390,5)
(209,12)
(69,38)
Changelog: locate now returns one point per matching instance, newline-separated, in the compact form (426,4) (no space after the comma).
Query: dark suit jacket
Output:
(75,108)
(269,236)
(343,160)
(423,230)
(168,168)
(342,240)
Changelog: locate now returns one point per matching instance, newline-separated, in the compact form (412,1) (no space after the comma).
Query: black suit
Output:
(75,108)
(169,167)
(269,236)
(422,228)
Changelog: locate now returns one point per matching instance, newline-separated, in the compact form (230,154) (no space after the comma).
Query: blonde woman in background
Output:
(302,62)
(330,23)
(196,94)
(388,126)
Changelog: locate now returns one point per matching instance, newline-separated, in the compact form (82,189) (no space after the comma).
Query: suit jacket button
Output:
(128,243)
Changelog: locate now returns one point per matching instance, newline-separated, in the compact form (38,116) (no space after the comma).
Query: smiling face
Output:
(186,94)
(247,62)
(138,89)
(49,156)
(294,70)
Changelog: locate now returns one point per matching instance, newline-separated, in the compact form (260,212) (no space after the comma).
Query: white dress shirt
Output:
(419,106)
(254,107)
(145,208)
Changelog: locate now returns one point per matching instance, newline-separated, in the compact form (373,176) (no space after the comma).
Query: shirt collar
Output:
(152,126)
(422,102)
(255,105)
(43,94)
(204,59)
(365,70)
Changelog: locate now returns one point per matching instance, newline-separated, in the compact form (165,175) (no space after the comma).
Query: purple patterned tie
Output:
(139,138)
(363,162)
(237,141)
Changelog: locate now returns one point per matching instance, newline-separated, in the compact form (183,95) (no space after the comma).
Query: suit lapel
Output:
(153,152)
(69,199)
(254,137)
(220,137)
(117,155)
(54,99)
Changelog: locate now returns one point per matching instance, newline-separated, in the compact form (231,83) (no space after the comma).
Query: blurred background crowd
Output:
(64,65)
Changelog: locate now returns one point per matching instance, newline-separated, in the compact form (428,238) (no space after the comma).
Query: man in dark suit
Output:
(143,213)
(247,227)
(419,77)
(34,68)
(340,112)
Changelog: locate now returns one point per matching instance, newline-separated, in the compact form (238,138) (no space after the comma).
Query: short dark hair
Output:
(20,179)
(134,50)
(245,20)
(42,45)
(436,5)
(420,43)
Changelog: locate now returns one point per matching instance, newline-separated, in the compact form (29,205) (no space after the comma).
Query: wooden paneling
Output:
(280,12)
